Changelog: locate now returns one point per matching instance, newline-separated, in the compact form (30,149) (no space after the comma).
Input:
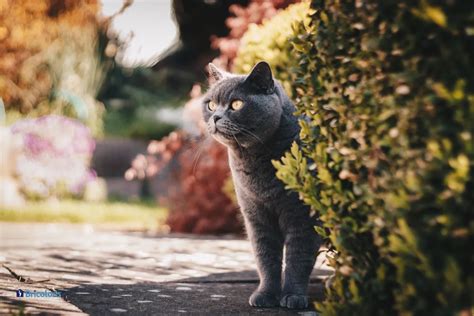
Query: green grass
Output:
(136,215)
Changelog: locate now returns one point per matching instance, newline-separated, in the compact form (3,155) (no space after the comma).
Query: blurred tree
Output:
(34,37)
(129,92)
(197,21)
(26,29)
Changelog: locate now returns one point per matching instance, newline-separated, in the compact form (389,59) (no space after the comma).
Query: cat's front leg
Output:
(301,246)
(267,244)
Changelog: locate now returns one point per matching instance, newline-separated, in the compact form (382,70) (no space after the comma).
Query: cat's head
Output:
(242,110)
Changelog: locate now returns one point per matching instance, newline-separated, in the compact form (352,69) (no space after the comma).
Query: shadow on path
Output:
(219,294)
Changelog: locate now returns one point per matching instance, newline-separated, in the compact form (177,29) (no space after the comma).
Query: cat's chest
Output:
(255,180)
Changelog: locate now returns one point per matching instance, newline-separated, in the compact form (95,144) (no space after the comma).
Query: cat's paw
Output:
(263,299)
(294,301)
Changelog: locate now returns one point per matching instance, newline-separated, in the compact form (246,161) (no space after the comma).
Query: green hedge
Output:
(386,156)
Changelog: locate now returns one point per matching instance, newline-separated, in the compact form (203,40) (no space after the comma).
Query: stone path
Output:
(108,272)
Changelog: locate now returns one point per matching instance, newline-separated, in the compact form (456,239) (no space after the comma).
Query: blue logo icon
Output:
(38,294)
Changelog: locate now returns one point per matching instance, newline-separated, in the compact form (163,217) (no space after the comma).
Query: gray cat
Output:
(253,117)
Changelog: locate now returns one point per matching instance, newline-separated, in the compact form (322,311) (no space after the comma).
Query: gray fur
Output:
(278,224)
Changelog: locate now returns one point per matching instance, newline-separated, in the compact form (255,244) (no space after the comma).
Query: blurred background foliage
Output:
(144,102)
(243,17)
(272,41)
(54,57)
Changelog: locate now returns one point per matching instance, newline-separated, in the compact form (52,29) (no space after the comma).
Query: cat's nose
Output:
(216,118)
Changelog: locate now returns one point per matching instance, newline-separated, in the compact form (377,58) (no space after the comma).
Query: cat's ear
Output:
(261,78)
(215,74)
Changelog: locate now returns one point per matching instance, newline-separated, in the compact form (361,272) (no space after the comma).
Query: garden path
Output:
(102,271)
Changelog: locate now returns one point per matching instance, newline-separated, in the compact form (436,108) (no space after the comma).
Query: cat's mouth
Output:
(227,134)
(224,132)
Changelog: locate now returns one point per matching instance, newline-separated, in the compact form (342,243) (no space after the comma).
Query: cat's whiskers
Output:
(247,132)
(238,144)
(198,153)
(240,129)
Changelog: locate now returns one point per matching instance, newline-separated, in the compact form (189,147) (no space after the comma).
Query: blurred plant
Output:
(54,57)
(256,12)
(205,207)
(195,199)
(386,152)
(10,147)
(77,74)
(54,158)
(271,42)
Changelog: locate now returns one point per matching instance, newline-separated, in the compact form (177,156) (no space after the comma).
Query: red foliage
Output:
(200,206)
(194,197)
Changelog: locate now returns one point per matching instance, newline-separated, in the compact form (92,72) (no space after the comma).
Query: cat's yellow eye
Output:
(236,105)
(212,106)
